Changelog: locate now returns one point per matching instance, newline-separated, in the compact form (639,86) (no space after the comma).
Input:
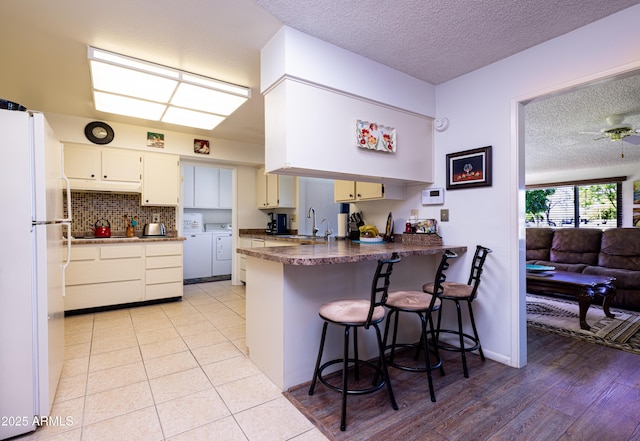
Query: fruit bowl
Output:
(371,239)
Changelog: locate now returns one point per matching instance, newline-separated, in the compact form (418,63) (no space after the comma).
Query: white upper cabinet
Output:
(351,191)
(207,187)
(101,168)
(274,191)
(121,165)
(160,179)
(226,188)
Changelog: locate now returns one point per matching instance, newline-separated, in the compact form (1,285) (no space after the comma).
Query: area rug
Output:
(207,279)
(561,317)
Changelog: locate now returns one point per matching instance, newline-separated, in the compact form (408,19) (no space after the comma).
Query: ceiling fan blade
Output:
(634,139)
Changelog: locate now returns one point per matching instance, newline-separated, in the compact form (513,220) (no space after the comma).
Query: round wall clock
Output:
(99,132)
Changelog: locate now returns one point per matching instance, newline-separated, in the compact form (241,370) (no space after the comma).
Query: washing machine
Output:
(222,248)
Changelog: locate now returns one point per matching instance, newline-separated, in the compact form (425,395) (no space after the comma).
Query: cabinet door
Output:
(206,187)
(226,188)
(273,195)
(261,188)
(121,165)
(187,186)
(344,190)
(369,190)
(81,162)
(160,178)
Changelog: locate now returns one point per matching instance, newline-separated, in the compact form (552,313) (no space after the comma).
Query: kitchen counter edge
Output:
(344,252)
(110,240)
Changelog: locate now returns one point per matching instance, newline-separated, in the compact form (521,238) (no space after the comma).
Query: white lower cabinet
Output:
(163,270)
(114,274)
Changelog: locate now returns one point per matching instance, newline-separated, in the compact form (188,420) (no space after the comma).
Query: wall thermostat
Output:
(433,196)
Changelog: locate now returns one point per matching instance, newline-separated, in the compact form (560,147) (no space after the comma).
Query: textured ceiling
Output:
(43,46)
(437,40)
(563,132)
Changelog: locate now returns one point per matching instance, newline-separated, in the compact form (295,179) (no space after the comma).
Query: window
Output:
(585,204)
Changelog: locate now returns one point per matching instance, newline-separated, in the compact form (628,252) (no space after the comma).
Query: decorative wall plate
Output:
(99,132)
(374,136)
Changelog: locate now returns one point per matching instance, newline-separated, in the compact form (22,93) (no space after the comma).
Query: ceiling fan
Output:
(618,131)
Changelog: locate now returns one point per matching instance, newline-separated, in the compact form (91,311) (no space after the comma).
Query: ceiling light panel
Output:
(122,105)
(123,81)
(154,90)
(206,100)
(190,118)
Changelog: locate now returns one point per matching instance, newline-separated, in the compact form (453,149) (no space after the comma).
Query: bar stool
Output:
(423,305)
(357,314)
(460,292)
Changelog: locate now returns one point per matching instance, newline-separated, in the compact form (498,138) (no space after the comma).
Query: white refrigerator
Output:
(33,257)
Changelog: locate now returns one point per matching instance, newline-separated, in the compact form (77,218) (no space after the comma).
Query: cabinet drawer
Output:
(164,249)
(164,290)
(79,253)
(163,275)
(163,262)
(91,296)
(120,251)
(96,271)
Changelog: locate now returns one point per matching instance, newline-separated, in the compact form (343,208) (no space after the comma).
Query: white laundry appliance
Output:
(32,261)
(223,248)
(207,248)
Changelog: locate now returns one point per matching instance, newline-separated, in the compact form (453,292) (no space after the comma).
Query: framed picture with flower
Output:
(469,168)
(373,136)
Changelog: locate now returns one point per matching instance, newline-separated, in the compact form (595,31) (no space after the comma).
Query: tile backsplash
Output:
(88,207)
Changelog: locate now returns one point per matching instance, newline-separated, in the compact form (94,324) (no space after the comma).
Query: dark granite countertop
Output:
(343,251)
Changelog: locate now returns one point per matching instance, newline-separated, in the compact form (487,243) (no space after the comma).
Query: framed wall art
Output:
(469,168)
(155,140)
(201,146)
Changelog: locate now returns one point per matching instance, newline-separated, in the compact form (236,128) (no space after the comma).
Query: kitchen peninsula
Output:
(286,285)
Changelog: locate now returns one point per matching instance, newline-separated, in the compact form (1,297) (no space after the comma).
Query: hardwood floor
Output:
(570,390)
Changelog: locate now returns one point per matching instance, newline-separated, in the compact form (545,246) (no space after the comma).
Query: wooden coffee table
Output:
(582,286)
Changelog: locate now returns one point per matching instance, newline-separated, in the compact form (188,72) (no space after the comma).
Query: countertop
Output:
(285,238)
(135,239)
(343,251)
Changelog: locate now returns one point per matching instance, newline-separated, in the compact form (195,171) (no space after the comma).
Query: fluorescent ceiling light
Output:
(127,86)
(122,105)
(190,118)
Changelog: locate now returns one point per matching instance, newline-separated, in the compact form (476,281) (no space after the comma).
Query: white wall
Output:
(316,193)
(482,109)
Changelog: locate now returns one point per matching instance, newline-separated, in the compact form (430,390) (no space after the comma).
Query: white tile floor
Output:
(175,371)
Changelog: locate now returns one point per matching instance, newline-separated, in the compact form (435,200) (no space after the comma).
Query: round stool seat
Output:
(411,301)
(351,312)
(451,290)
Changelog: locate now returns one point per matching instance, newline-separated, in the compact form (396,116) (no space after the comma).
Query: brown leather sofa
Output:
(614,252)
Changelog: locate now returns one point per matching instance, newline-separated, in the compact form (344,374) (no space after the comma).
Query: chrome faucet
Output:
(314,228)
(327,231)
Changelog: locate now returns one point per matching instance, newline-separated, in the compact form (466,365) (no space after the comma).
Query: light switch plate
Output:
(444,215)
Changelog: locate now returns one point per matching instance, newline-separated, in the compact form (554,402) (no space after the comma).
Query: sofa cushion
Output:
(539,243)
(620,249)
(576,245)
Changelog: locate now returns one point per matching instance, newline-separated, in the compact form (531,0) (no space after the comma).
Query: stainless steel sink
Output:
(301,236)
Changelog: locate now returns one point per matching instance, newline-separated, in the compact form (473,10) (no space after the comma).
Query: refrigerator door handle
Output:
(68,192)
(68,260)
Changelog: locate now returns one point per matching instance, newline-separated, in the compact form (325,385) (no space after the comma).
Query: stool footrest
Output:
(452,348)
(375,387)
(417,347)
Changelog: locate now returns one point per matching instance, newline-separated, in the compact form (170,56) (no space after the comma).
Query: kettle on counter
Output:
(102,228)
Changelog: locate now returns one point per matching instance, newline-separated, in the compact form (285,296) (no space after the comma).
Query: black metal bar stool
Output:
(357,314)
(460,292)
(423,305)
